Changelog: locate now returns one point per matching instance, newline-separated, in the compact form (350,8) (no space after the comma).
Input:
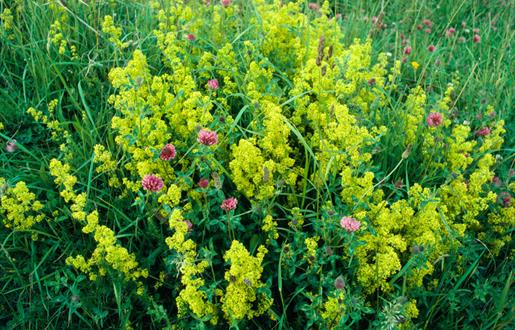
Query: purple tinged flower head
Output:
(229,204)
(207,137)
(350,224)
(152,183)
(213,84)
(168,152)
(434,119)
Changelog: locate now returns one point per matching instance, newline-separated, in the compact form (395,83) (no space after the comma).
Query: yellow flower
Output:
(19,207)
(270,227)
(334,310)
(112,31)
(415,65)
(244,279)
(311,246)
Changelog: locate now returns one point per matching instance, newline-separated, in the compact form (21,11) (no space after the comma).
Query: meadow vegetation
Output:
(256,164)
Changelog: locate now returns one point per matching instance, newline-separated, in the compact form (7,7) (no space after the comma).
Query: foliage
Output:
(256,164)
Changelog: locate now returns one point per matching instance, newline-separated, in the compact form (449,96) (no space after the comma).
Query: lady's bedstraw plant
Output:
(253,165)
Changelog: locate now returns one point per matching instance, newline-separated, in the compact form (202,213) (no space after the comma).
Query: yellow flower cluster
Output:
(104,158)
(445,103)
(256,164)
(280,22)
(494,140)
(272,150)
(7,20)
(415,113)
(334,310)
(113,32)
(358,189)
(19,207)
(250,172)
(323,91)
(312,247)
(59,29)
(107,251)
(270,227)
(244,281)
(501,223)
(106,164)
(172,196)
(468,198)
(150,108)
(192,296)
(58,132)
(62,175)
(418,224)
(459,153)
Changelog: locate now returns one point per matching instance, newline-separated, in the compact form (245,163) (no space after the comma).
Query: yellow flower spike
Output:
(270,227)
(243,279)
(334,309)
(312,246)
(112,31)
(190,297)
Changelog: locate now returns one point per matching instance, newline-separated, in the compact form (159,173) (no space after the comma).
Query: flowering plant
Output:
(221,164)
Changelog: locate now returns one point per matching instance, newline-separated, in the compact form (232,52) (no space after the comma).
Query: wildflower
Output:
(11,146)
(152,183)
(483,131)
(504,198)
(450,32)
(229,204)
(207,137)
(191,37)
(476,31)
(431,48)
(476,38)
(427,30)
(168,152)
(427,23)
(419,27)
(415,65)
(314,6)
(461,39)
(350,224)
(496,181)
(203,183)
(213,84)
(189,224)
(407,50)
(226,3)
(434,119)
(339,283)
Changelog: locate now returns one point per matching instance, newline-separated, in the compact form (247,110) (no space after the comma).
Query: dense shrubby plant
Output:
(255,169)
